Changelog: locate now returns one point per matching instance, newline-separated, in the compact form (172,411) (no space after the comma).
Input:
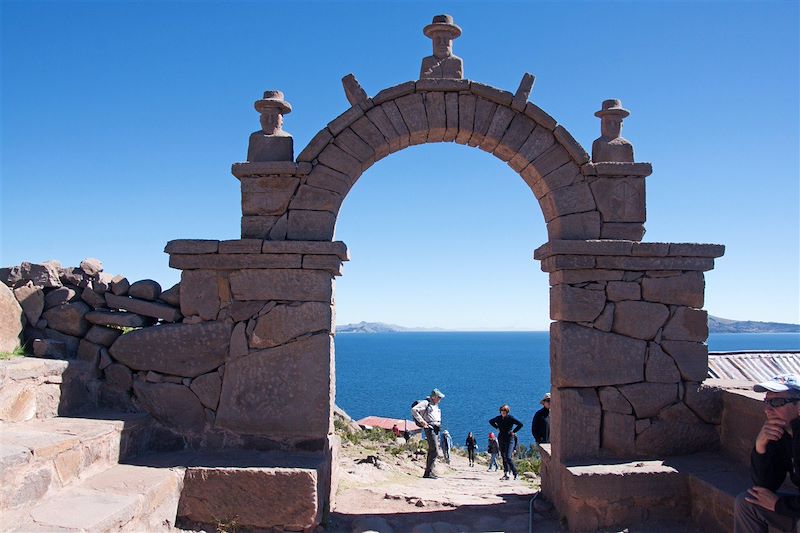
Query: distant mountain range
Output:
(715,325)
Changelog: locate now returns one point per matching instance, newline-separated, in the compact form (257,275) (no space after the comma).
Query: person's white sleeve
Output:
(418,409)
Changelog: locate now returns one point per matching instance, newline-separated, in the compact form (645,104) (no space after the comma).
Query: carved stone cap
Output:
(612,107)
(270,168)
(442,23)
(273,99)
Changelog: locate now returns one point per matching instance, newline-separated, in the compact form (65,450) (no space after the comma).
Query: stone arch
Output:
(519,133)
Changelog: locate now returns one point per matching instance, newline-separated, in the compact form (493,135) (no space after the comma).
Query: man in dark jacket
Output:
(540,426)
(775,454)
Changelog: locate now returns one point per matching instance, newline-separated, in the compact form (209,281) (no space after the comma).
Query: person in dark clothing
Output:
(471,445)
(493,449)
(506,426)
(775,454)
(540,425)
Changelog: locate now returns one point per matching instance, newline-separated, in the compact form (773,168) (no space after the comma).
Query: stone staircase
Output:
(66,465)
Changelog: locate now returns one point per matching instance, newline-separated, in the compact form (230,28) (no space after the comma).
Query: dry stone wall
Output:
(627,350)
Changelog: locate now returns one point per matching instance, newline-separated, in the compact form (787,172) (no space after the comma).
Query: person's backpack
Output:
(414,404)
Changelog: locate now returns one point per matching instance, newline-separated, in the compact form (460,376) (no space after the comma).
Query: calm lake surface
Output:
(382,373)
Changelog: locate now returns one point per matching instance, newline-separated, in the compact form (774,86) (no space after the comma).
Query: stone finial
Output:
(523,91)
(611,146)
(271,143)
(442,64)
(353,91)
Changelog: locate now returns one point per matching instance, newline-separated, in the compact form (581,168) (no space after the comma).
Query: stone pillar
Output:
(618,190)
(276,299)
(627,348)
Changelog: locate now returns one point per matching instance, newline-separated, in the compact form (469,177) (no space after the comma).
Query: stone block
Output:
(523,92)
(412,109)
(315,146)
(351,143)
(377,116)
(50,348)
(118,376)
(687,289)
(102,335)
(606,318)
(286,322)
(326,178)
(143,307)
(207,388)
(344,120)
(622,230)
(623,290)
(172,296)
(310,225)
(497,127)
(396,118)
(337,248)
(691,358)
(687,324)
(392,93)
(353,91)
(174,405)
(575,426)
(262,147)
(640,320)
(41,274)
(564,176)
(620,199)
(264,196)
(31,300)
(270,168)
(242,492)
(619,433)
(257,227)
(58,296)
(92,298)
(696,250)
(582,276)
(490,93)
(200,294)
(370,134)
(186,350)
(466,117)
(188,246)
(585,357)
(618,169)
(451,108)
(575,150)
(442,85)
(575,305)
(649,399)
(239,346)
(567,262)
(548,161)
(705,402)
(585,247)
(535,145)
(676,431)
(650,249)
(118,318)
(71,343)
(540,116)
(331,263)
(68,318)
(656,263)
(436,114)
(89,352)
(11,276)
(613,401)
(241,311)
(337,159)
(282,284)
(660,367)
(484,111)
(576,226)
(146,289)
(315,199)
(567,200)
(299,373)
(234,261)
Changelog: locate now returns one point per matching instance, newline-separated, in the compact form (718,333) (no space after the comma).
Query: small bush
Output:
(19,351)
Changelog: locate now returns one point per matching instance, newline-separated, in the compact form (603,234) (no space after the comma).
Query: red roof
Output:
(387,423)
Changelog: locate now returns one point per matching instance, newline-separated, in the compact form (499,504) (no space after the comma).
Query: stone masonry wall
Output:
(628,351)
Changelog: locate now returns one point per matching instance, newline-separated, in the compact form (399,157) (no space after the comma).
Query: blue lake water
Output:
(382,373)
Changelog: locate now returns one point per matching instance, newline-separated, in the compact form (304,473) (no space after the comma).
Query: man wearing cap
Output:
(429,417)
(540,425)
(775,454)
(611,146)
(442,64)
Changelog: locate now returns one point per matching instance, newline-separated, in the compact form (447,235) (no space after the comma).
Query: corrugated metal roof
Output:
(387,423)
(752,366)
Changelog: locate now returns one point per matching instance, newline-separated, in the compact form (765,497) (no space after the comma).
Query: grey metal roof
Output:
(752,366)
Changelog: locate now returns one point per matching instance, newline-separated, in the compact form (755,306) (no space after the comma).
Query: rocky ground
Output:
(379,491)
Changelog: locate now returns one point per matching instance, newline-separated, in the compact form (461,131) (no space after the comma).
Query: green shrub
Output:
(19,351)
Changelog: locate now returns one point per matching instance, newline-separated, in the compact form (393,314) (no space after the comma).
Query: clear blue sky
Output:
(120,121)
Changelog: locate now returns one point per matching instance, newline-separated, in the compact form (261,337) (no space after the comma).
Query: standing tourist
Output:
(775,454)
(540,425)
(507,427)
(493,449)
(471,445)
(428,416)
(446,442)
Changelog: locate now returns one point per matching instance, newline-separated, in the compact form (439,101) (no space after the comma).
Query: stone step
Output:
(40,456)
(44,388)
(122,498)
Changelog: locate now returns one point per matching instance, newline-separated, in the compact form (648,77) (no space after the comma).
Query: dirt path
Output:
(392,497)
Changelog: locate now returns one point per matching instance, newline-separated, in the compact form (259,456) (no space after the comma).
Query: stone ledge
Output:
(607,169)
(234,261)
(270,168)
(631,249)
(186,247)
(442,85)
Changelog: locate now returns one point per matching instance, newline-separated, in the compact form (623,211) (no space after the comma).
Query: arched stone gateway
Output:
(628,349)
